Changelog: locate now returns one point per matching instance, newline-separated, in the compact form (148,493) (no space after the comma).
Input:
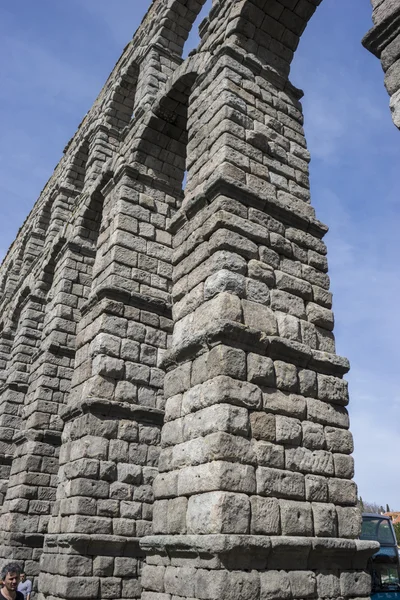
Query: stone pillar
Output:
(383,40)
(21,335)
(5,349)
(113,417)
(167,26)
(33,476)
(255,498)
(156,65)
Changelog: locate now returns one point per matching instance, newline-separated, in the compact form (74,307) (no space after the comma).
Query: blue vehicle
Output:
(383,566)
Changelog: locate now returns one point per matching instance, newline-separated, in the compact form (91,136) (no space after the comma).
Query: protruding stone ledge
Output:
(136,174)
(47,436)
(225,185)
(14,386)
(112,409)
(134,299)
(94,545)
(231,333)
(30,540)
(55,349)
(264,552)
(380,36)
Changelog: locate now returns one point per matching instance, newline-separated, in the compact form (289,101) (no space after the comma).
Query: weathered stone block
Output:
(180,581)
(332,389)
(259,317)
(342,491)
(279,483)
(265,516)
(263,426)
(275,585)
(110,587)
(324,517)
(225,281)
(313,435)
(296,518)
(284,403)
(152,578)
(307,382)
(344,466)
(288,430)
(260,369)
(218,475)
(222,389)
(103,566)
(316,488)
(349,522)
(286,376)
(218,512)
(269,455)
(355,583)
(289,327)
(328,584)
(225,360)
(303,584)
(339,440)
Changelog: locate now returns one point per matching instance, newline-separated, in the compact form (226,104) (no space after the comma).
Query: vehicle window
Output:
(385,576)
(385,535)
(378,530)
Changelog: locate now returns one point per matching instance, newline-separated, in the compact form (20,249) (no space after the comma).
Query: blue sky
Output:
(55,59)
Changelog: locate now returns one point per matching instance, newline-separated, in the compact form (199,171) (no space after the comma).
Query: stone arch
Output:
(119,109)
(160,42)
(250,260)
(7,269)
(63,284)
(18,304)
(166,127)
(269,30)
(77,165)
(168,24)
(8,330)
(19,263)
(15,355)
(57,208)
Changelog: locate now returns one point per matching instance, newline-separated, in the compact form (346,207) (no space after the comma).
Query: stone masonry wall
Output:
(173,418)
(383,40)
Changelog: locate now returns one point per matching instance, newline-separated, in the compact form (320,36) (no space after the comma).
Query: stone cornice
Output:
(239,191)
(47,436)
(112,409)
(223,331)
(141,301)
(95,544)
(265,552)
(153,182)
(380,36)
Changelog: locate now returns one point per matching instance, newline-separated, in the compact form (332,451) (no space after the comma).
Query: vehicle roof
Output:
(377,515)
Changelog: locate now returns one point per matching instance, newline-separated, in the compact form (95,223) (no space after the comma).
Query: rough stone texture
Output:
(383,40)
(173,418)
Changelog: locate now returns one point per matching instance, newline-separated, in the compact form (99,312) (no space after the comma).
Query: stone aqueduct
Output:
(173,417)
